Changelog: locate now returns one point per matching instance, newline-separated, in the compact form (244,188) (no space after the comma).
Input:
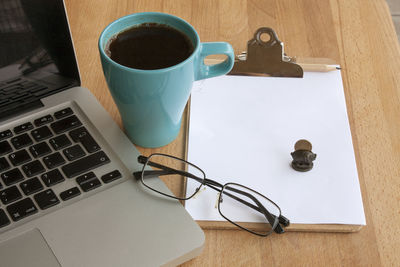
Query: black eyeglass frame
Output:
(276,222)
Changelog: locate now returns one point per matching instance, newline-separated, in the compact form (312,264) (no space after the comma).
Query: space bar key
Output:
(85,164)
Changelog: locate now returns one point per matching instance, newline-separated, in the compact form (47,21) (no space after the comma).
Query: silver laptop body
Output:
(111,222)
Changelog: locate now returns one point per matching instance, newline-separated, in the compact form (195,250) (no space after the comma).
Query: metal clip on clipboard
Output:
(266,58)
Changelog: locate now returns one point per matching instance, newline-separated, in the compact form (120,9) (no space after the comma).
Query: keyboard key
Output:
(90,185)
(88,181)
(13,80)
(63,113)
(41,90)
(23,128)
(9,104)
(20,97)
(46,199)
(12,176)
(5,134)
(41,133)
(4,165)
(60,142)
(85,178)
(82,135)
(85,164)
(39,150)
(37,88)
(74,152)
(33,168)
(3,102)
(5,148)
(27,84)
(66,124)
(8,95)
(70,193)
(19,157)
(53,160)
(9,195)
(43,120)
(3,219)
(10,88)
(21,209)
(21,141)
(31,186)
(77,134)
(111,176)
(52,177)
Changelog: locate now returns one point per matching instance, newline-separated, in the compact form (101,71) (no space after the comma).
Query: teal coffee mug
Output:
(151,102)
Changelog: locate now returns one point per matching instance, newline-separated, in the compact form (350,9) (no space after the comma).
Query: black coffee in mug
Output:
(150,46)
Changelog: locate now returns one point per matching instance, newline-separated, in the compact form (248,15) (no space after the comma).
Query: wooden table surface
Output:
(360,36)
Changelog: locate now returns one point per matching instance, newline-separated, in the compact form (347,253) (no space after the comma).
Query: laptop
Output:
(67,197)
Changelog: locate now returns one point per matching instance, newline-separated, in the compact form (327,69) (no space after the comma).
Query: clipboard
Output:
(246,64)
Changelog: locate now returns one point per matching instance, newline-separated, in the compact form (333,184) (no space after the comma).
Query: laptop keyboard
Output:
(39,155)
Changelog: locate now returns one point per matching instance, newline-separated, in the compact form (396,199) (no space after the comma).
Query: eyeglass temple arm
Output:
(165,170)
(168,170)
(151,174)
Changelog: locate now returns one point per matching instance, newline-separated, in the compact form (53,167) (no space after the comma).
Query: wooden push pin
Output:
(303,157)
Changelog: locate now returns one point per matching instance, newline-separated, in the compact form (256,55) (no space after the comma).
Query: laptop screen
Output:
(35,45)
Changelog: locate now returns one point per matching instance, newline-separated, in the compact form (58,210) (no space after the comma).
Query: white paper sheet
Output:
(243,129)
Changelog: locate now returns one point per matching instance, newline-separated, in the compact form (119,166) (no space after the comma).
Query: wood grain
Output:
(357,34)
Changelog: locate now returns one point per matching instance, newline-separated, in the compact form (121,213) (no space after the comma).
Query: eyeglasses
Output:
(234,200)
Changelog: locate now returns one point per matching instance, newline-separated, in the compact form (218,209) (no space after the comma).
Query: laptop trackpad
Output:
(27,249)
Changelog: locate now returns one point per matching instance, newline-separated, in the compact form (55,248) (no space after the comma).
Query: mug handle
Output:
(215,48)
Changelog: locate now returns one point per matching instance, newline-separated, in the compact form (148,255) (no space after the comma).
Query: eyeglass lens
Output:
(176,182)
(238,203)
